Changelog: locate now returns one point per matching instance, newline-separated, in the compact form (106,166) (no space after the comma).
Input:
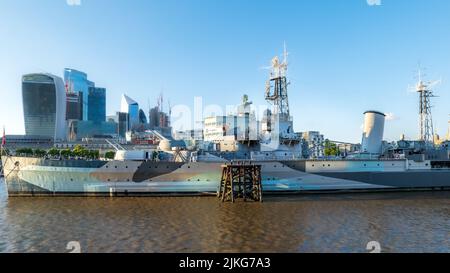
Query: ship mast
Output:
(276,86)
(425,117)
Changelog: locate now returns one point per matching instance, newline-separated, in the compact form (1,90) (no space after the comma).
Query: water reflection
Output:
(401,222)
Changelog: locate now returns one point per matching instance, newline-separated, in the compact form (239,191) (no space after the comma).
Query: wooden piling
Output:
(240,181)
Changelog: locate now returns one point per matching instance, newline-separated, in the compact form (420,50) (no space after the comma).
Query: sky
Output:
(345,56)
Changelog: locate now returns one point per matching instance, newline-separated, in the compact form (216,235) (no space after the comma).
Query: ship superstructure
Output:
(277,132)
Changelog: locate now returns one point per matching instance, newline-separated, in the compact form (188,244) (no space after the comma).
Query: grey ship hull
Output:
(40,177)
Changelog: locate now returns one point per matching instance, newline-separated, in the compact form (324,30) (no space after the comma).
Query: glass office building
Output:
(76,81)
(142,117)
(97,104)
(130,107)
(79,129)
(73,106)
(122,123)
(44,105)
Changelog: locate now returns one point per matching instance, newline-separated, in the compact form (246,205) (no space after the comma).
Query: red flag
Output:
(4,137)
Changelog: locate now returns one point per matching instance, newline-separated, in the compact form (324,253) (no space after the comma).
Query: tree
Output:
(66,153)
(331,149)
(24,152)
(110,155)
(39,153)
(94,154)
(79,151)
(53,152)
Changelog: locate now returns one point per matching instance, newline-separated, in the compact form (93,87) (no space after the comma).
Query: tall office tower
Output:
(73,106)
(130,107)
(153,117)
(77,82)
(97,104)
(44,105)
(122,123)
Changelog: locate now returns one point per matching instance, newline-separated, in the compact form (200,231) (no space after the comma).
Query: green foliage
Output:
(110,155)
(24,152)
(53,152)
(66,153)
(94,154)
(39,153)
(80,151)
(331,149)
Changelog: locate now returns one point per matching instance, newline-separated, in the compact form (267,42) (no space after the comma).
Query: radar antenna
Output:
(276,86)
(424,89)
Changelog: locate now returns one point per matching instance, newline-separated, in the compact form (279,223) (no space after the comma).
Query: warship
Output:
(405,166)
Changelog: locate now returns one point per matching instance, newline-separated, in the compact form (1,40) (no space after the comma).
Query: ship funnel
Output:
(372,139)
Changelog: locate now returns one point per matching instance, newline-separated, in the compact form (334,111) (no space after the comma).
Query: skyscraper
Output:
(97,104)
(44,105)
(73,106)
(130,107)
(76,81)
(122,123)
(142,117)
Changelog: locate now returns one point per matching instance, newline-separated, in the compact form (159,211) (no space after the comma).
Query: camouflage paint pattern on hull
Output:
(32,176)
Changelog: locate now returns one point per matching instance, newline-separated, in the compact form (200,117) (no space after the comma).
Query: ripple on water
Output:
(401,222)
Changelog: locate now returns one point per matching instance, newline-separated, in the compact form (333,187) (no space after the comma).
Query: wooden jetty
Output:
(240,181)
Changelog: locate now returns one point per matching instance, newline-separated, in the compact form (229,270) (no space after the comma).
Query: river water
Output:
(400,222)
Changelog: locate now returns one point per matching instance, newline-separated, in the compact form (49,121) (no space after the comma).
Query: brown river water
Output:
(400,222)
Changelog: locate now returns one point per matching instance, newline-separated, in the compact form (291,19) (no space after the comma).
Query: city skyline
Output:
(361,58)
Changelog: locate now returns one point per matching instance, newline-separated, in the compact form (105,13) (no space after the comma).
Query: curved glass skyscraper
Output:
(44,105)
(131,107)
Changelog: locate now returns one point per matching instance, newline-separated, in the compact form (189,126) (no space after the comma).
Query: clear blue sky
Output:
(345,55)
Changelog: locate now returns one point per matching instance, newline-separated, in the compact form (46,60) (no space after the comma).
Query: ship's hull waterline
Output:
(41,177)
